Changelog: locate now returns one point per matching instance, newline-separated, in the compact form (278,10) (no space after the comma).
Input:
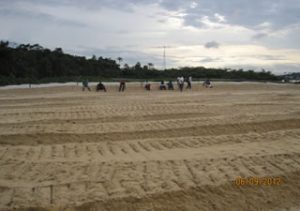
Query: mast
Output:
(164,57)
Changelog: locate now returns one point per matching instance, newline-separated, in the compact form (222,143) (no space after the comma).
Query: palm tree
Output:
(150,65)
(120,59)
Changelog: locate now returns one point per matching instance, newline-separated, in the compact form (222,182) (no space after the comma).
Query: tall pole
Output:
(164,57)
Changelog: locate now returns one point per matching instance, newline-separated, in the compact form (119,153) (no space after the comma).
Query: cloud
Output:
(251,14)
(246,13)
(212,44)
(129,56)
(259,36)
(289,68)
(219,17)
(193,5)
(262,33)
(271,57)
(210,60)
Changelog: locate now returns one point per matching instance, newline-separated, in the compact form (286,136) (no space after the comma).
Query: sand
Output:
(64,149)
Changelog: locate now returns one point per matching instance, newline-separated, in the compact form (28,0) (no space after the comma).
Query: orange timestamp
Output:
(267,181)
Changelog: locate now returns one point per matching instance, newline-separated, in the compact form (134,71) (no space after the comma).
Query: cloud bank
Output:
(213,33)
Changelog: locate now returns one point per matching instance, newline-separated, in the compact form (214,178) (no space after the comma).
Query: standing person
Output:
(170,85)
(122,86)
(147,86)
(85,84)
(189,82)
(178,79)
(210,84)
(181,83)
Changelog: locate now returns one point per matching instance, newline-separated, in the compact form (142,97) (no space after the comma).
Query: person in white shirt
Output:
(181,83)
(178,79)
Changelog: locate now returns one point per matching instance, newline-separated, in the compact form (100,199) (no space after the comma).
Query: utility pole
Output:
(164,62)
(164,57)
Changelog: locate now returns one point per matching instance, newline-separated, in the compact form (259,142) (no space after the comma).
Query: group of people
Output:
(181,80)
(100,86)
(162,86)
(180,83)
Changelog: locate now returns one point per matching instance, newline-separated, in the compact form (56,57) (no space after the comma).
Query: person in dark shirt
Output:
(170,85)
(85,84)
(147,86)
(122,86)
(162,86)
(189,82)
(207,84)
(100,86)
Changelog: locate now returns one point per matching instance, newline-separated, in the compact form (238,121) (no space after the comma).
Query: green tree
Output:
(138,66)
(120,59)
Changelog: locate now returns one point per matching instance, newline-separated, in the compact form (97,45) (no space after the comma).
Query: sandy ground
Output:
(64,149)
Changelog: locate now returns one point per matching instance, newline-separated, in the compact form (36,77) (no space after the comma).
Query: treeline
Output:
(35,64)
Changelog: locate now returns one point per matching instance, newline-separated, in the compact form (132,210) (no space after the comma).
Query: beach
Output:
(62,148)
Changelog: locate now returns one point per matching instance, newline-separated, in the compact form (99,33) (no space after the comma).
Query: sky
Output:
(256,34)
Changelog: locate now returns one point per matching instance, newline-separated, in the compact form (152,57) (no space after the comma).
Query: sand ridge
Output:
(61,148)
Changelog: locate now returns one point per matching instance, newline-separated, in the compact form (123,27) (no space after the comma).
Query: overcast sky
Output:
(212,33)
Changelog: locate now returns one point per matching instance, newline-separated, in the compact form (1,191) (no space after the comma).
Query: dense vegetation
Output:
(35,64)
